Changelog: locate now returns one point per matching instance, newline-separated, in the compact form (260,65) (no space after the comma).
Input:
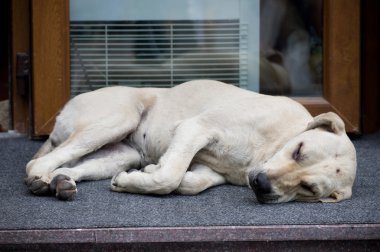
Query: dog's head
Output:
(317,165)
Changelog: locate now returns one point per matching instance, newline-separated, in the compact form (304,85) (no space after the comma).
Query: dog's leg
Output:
(102,164)
(189,137)
(81,142)
(45,149)
(199,179)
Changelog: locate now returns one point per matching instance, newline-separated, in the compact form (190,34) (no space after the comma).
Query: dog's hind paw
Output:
(37,185)
(63,187)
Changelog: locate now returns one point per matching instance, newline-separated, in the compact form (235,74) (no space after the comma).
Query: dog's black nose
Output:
(260,183)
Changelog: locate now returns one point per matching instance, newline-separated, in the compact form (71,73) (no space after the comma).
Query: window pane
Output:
(167,42)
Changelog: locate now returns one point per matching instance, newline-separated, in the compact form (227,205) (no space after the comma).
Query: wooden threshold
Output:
(193,234)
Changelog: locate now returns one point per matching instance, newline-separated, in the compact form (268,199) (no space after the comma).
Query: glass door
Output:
(272,47)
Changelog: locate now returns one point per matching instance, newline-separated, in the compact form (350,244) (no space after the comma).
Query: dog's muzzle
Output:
(261,185)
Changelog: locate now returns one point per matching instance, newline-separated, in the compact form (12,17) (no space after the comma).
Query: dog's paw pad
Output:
(63,187)
(37,186)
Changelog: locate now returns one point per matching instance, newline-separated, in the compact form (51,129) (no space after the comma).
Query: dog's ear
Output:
(338,196)
(328,121)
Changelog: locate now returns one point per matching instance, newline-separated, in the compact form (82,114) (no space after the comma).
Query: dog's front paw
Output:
(116,183)
(63,187)
(37,185)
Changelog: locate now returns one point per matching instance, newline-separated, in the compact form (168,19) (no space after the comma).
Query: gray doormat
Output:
(97,207)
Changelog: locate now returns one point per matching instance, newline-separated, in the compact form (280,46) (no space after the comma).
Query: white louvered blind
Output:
(156,53)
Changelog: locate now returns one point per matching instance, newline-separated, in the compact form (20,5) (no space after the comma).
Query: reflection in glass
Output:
(291,47)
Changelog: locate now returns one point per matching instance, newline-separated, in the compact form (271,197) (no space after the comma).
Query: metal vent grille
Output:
(156,53)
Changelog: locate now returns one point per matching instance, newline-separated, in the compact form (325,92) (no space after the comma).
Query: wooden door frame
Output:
(50,60)
(341,69)
(51,69)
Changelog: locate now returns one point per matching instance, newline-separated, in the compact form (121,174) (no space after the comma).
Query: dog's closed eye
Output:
(297,153)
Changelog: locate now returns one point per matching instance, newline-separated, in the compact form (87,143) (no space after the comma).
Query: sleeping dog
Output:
(191,137)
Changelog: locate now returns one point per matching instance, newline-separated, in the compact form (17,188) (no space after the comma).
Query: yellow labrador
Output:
(191,137)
